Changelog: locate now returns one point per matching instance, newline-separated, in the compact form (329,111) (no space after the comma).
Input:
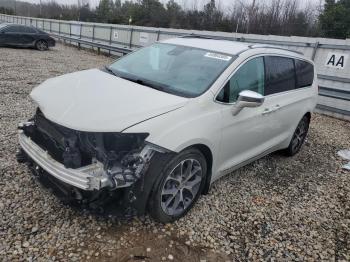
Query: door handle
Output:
(277,107)
(269,111)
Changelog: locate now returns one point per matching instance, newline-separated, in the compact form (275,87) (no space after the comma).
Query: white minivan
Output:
(151,132)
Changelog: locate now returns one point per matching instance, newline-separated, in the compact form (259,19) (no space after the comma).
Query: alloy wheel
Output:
(41,45)
(299,135)
(181,187)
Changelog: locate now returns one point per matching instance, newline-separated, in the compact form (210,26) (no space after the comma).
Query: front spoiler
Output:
(91,177)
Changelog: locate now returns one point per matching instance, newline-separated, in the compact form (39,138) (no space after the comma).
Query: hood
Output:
(96,101)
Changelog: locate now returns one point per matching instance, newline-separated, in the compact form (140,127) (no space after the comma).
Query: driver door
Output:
(250,133)
(10,35)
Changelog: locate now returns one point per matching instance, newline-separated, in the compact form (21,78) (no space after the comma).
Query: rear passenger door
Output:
(28,36)
(284,98)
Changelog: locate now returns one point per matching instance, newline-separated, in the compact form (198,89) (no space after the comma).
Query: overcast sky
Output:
(186,3)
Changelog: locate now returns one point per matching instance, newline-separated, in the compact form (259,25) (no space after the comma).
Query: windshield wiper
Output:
(139,81)
(144,82)
(149,84)
(110,70)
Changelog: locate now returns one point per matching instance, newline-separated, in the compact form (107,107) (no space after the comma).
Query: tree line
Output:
(277,17)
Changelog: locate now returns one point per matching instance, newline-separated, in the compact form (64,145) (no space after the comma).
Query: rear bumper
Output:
(91,177)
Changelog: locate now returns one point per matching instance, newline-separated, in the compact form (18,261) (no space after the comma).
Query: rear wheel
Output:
(298,137)
(179,186)
(41,45)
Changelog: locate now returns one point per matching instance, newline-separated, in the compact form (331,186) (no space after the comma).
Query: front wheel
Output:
(41,45)
(298,137)
(178,186)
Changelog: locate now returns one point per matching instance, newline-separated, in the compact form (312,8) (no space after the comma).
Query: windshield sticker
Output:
(218,56)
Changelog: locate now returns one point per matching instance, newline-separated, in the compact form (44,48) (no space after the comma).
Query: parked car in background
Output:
(157,127)
(24,36)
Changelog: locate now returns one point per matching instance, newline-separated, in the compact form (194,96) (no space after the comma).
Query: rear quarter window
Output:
(29,30)
(280,74)
(305,73)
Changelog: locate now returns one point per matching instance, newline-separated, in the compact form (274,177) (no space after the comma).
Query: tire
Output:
(41,45)
(174,195)
(299,136)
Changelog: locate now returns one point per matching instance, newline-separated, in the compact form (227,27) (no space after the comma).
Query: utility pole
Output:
(40,8)
(15,7)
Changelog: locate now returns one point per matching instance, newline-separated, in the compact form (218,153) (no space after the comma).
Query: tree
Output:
(152,13)
(279,17)
(211,15)
(7,11)
(85,14)
(174,14)
(105,10)
(335,19)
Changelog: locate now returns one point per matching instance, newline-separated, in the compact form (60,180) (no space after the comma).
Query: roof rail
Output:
(275,47)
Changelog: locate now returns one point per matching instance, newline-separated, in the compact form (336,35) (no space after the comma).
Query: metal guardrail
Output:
(333,110)
(335,93)
(98,45)
(129,41)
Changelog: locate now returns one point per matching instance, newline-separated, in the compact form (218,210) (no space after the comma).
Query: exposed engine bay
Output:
(121,158)
(124,156)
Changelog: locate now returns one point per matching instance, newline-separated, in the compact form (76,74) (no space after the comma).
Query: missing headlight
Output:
(124,157)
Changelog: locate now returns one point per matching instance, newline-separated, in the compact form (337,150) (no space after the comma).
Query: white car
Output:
(152,131)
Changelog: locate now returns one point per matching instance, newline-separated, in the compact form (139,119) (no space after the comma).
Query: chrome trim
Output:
(88,178)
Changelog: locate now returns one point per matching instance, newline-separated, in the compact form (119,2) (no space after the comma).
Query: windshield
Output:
(180,70)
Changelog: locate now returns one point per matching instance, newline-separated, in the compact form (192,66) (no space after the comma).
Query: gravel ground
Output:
(277,208)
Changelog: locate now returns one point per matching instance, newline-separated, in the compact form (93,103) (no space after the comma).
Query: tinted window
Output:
(305,73)
(14,29)
(26,29)
(250,76)
(41,31)
(280,74)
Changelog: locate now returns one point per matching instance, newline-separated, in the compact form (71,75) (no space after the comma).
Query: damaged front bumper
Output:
(94,171)
(93,176)
(89,177)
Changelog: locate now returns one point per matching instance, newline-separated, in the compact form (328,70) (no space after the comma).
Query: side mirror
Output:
(247,98)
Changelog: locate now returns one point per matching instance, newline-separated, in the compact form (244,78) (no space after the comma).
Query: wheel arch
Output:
(40,39)
(207,153)
(308,115)
(162,159)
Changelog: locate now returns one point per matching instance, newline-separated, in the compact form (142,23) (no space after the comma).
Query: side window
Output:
(14,29)
(280,74)
(305,73)
(249,76)
(26,29)
(10,29)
